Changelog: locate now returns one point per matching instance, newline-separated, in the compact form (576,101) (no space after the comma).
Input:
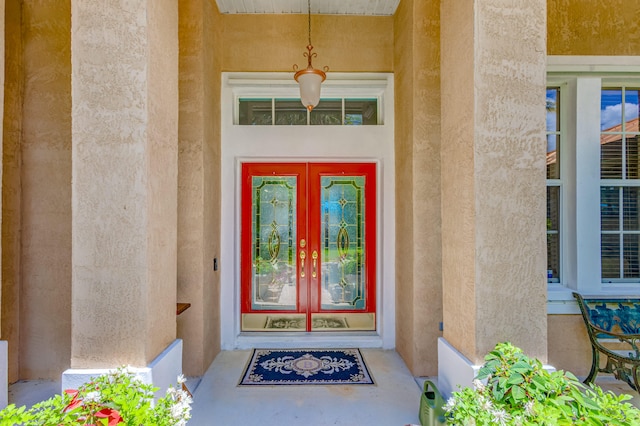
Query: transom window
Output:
(291,112)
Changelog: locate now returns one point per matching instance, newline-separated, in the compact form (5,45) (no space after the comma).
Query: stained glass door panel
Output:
(308,247)
(342,198)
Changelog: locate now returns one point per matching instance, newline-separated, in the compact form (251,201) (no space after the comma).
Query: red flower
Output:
(75,402)
(111,414)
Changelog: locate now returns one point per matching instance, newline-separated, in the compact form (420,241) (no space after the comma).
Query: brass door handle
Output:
(314,256)
(303,255)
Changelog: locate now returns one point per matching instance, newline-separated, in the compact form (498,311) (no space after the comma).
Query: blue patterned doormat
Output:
(269,367)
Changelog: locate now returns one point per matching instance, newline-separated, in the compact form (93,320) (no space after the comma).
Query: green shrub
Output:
(512,389)
(115,398)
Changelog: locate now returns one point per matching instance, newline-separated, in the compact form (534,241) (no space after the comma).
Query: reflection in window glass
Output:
(611,156)
(290,112)
(553,109)
(620,224)
(630,259)
(610,256)
(553,184)
(328,112)
(553,133)
(361,112)
(610,109)
(619,153)
(553,234)
(631,109)
(255,112)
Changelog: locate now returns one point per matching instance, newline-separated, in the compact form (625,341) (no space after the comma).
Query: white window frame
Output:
(580,79)
(282,86)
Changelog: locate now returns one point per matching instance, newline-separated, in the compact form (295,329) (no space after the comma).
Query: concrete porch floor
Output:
(394,400)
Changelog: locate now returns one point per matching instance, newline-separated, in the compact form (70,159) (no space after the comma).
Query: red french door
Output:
(308,246)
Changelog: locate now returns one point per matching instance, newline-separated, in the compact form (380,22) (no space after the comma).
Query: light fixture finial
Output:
(310,79)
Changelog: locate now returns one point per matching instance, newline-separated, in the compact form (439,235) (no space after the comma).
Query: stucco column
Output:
(124,190)
(493,181)
(417,132)
(199,182)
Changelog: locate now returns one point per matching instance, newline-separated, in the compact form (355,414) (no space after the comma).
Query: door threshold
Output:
(317,340)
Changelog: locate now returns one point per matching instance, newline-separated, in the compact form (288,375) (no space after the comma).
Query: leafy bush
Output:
(115,398)
(512,389)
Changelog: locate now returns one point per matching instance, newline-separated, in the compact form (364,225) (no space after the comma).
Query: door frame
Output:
(264,144)
(308,241)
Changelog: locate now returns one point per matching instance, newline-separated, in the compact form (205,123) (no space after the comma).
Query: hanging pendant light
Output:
(310,79)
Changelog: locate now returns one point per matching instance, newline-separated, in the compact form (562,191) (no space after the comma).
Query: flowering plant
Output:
(118,397)
(512,389)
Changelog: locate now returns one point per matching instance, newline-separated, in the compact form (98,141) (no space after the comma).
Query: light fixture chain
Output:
(309,10)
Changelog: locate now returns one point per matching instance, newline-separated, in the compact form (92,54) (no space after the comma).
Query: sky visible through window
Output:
(552,118)
(611,107)
(611,110)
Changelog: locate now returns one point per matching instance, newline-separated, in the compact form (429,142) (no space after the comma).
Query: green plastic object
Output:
(431,406)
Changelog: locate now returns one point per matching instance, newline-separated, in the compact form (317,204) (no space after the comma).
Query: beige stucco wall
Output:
(493,181)
(212,195)
(417,152)
(45,308)
(11,192)
(458,182)
(162,175)
(199,183)
(277,42)
(125,157)
(568,341)
(593,27)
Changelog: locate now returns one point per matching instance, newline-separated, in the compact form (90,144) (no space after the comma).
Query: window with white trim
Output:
(291,112)
(348,99)
(554,184)
(620,184)
(593,178)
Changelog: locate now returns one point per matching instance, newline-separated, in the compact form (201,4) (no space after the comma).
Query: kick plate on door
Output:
(319,322)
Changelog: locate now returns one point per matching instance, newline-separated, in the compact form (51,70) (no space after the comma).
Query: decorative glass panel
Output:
(290,112)
(553,233)
(274,242)
(255,112)
(327,113)
(343,242)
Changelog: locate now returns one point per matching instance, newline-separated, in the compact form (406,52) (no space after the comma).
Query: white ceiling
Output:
(329,7)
